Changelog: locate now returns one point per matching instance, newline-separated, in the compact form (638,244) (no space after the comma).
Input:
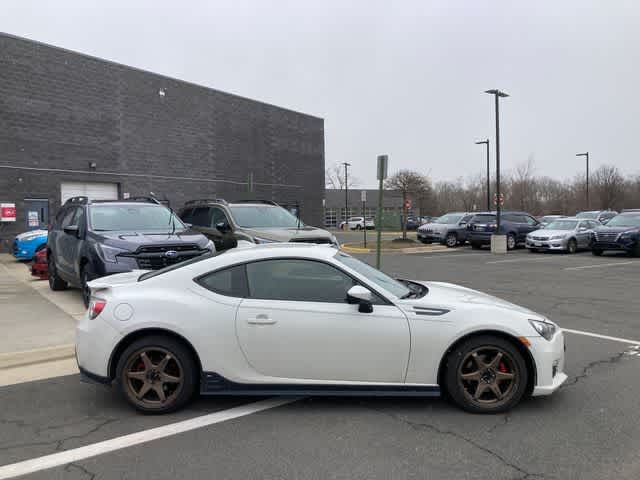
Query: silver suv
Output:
(449,229)
(255,221)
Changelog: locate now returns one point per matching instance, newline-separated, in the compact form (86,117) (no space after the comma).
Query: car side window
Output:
(218,216)
(230,282)
(297,280)
(79,219)
(466,219)
(509,217)
(530,220)
(68,217)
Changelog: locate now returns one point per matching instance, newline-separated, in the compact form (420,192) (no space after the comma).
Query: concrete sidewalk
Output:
(34,329)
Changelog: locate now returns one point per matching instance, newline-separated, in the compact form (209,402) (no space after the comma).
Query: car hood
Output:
(550,233)
(288,234)
(616,229)
(437,227)
(43,233)
(132,240)
(455,296)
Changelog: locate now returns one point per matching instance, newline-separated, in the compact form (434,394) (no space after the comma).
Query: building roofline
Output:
(142,70)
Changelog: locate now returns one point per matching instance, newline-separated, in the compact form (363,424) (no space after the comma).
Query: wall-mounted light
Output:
(162,92)
(93,165)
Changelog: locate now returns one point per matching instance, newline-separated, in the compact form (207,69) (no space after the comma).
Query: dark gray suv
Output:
(449,229)
(255,221)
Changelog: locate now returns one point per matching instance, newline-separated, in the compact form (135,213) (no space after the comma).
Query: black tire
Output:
(358,227)
(428,242)
(476,246)
(533,250)
(512,243)
(463,390)
(596,251)
(85,277)
(636,250)
(451,240)
(572,246)
(182,364)
(55,282)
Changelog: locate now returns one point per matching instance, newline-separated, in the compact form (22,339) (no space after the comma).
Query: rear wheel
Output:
(157,374)
(55,282)
(572,246)
(596,251)
(84,280)
(486,374)
(358,227)
(533,250)
(476,246)
(636,250)
(451,240)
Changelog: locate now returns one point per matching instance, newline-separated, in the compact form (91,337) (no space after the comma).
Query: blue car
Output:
(26,244)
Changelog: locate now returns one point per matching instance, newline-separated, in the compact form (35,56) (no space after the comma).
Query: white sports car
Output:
(309,319)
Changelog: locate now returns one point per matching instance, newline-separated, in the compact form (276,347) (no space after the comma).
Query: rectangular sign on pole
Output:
(7,212)
(383,161)
(363,195)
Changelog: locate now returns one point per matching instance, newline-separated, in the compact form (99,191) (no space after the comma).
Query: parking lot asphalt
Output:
(589,429)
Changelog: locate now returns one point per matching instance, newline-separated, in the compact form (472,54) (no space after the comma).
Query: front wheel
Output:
(511,241)
(596,251)
(84,280)
(572,246)
(486,374)
(157,374)
(476,246)
(55,282)
(451,240)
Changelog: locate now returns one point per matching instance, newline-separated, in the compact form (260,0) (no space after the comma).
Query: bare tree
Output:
(334,177)
(408,182)
(608,186)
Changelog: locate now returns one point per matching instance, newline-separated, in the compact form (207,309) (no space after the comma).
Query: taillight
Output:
(96,307)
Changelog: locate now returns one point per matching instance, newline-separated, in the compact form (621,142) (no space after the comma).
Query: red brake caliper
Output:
(503,368)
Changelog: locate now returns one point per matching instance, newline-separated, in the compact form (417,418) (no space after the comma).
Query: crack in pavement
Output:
(82,470)
(505,420)
(587,369)
(59,443)
(428,426)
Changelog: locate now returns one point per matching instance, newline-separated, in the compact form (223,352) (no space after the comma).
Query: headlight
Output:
(545,328)
(626,236)
(263,240)
(109,254)
(210,246)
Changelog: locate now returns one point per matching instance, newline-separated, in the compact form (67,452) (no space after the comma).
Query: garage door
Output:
(95,191)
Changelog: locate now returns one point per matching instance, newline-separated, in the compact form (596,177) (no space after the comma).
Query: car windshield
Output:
(376,276)
(624,221)
(562,225)
(137,218)
(591,215)
(448,219)
(263,216)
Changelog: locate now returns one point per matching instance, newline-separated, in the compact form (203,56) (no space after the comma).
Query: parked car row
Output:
(586,230)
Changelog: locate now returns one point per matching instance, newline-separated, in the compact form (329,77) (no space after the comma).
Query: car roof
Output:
(122,202)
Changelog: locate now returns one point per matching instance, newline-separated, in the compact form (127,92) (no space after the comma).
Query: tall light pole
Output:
(346,193)
(497,94)
(486,142)
(586,154)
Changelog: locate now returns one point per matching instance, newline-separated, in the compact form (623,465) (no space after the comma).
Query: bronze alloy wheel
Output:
(488,376)
(153,378)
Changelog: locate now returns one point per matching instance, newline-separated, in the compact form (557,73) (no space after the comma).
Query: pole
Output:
(364,223)
(587,180)
(498,206)
(488,180)
(379,222)
(346,194)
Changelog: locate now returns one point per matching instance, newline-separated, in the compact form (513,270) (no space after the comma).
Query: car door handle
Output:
(261,319)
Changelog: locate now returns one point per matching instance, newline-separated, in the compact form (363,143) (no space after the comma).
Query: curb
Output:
(39,355)
(436,248)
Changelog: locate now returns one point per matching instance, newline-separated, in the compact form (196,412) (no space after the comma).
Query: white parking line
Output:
(118,443)
(604,337)
(445,255)
(601,265)
(515,260)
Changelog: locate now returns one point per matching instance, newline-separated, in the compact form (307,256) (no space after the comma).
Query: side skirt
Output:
(213,384)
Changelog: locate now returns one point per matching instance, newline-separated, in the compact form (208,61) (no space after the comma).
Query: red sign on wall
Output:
(7,212)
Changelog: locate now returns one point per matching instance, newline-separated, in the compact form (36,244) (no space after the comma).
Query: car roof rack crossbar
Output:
(143,198)
(206,200)
(266,202)
(80,199)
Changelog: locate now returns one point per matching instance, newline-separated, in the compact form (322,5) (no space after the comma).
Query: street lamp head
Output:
(586,154)
(483,142)
(497,93)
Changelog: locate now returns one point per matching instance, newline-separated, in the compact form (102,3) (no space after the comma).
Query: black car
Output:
(91,239)
(413,223)
(621,233)
(515,225)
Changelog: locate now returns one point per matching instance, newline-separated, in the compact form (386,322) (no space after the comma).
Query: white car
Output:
(358,223)
(307,319)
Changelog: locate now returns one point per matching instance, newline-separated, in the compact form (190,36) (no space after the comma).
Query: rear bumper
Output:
(483,238)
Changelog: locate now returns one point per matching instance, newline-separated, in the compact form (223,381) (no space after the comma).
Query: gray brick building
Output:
(72,124)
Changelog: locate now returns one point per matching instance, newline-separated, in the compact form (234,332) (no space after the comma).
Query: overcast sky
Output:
(399,77)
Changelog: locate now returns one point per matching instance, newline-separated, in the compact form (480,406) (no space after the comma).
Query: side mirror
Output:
(188,225)
(463,224)
(223,227)
(362,296)
(72,230)
(583,229)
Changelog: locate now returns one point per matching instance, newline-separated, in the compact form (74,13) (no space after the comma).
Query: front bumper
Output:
(549,359)
(617,245)
(430,236)
(547,244)
(26,249)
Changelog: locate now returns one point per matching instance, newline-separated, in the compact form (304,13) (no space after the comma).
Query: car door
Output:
(296,324)
(66,245)
(583,233)
(529,225)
